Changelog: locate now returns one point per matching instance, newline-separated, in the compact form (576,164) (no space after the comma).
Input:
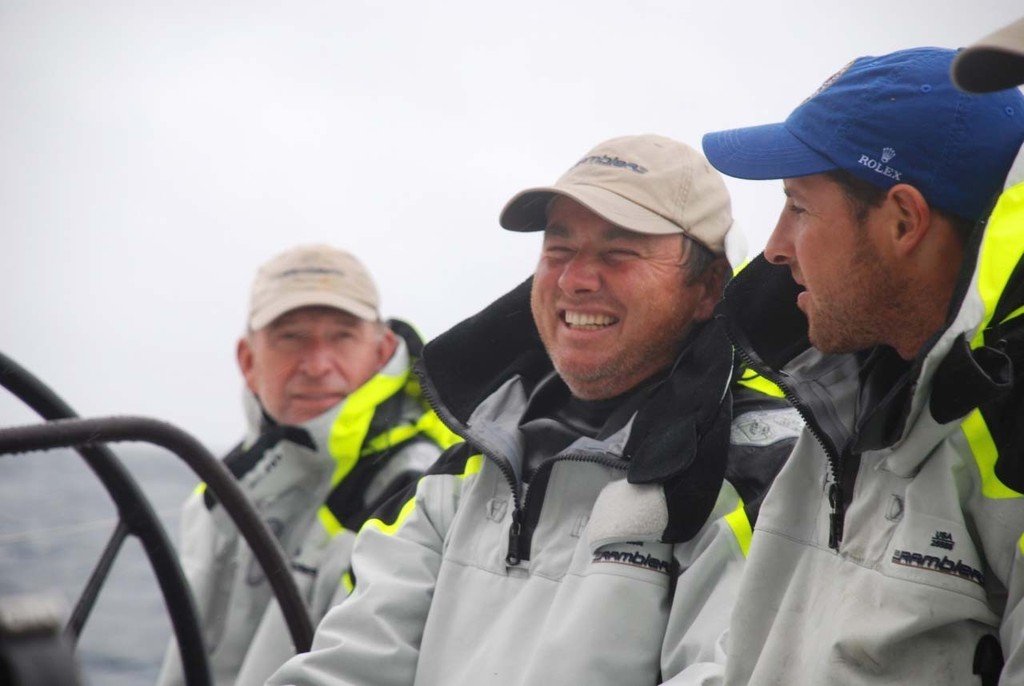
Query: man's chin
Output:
(305,410)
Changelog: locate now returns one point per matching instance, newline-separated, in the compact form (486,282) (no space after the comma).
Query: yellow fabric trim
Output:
(1013,315)
(353,422)
(348,582)
(1020,544)
(329,521)
(391,528)
(432,426)
(756,382)
(349,431)
(201,488)
(985,453)
(740,525)
(473,465)
(1001,250)
(428,424)
(392,436)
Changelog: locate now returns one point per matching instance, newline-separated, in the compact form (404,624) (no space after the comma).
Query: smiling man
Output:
(592,528)
(336,425)
(889,549)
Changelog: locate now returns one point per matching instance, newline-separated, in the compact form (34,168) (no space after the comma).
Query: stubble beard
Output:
(860,313)
(621,372)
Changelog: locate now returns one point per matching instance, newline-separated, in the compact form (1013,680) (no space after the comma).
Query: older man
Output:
(592,528)
(888,551)
(337,424)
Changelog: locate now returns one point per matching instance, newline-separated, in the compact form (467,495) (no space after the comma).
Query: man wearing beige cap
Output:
(592,527)
(337,424)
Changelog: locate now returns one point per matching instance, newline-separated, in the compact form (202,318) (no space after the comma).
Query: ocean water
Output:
(56,518)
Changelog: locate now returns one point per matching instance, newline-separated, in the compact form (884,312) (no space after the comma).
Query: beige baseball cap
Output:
(648,184)
(993,63)
(312,275)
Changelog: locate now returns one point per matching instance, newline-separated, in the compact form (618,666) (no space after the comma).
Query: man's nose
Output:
(317,358)
(779,248)
(581,274)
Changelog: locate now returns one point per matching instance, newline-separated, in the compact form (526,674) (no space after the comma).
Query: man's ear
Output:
(909,218)
(386,348)
(714,278)
(246,362)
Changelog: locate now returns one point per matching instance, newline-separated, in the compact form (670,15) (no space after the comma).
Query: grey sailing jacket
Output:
(617,563)
(313,485)
(889,548)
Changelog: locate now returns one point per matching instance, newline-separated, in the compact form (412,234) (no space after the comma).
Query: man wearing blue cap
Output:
(889,549)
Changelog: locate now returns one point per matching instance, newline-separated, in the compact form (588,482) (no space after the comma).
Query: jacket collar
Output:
(679,436)
(958,369)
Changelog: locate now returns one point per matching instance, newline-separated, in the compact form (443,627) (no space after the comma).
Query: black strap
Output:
(988,660)
(346,501)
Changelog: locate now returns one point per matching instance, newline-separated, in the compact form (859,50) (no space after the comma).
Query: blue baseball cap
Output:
(888,120)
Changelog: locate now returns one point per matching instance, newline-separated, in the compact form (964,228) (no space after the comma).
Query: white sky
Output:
(153,154)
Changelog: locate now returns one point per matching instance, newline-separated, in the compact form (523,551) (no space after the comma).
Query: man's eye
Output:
(616,255)
(795,209)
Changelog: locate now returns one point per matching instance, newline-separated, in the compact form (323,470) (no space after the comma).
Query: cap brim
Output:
(294,301)
(763,152)
(527,211)
(984,70)
(994,63)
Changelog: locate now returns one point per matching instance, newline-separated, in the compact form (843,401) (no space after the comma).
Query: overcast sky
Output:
(153,154)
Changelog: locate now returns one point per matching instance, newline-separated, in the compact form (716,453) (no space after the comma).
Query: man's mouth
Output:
(586,321)
(319,397)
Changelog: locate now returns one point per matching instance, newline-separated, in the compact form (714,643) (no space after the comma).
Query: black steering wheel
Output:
(89,437)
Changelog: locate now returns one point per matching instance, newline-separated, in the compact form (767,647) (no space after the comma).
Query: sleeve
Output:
(202,543)
(705,592)
(763,431)
(373,637)
(996,515)
(1011,632)
(271,645)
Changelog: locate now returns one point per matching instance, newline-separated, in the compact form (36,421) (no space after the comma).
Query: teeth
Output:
(589,320)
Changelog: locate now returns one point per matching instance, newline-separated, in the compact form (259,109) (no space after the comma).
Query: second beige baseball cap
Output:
(312,275)
(648,184)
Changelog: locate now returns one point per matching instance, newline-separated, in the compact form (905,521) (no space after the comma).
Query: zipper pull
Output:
(835,518)
(512,558)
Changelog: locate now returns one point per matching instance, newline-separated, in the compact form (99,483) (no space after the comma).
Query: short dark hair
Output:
(864,197)
(699,259)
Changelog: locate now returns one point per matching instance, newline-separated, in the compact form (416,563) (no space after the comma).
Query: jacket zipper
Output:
(514,555)
(516,531)
(836,502)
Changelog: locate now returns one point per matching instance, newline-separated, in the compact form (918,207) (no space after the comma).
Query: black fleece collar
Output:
(679,437)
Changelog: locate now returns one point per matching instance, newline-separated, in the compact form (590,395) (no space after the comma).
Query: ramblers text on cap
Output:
(647,183)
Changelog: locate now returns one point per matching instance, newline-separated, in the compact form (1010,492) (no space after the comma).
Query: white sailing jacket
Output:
(313,485)
(889,548)
(618,561)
